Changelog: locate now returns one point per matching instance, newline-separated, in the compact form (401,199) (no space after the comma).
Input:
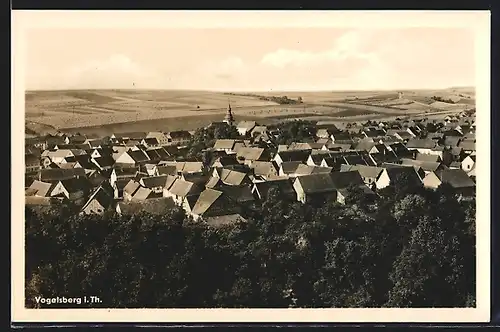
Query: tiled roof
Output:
(457,178)
(154,181)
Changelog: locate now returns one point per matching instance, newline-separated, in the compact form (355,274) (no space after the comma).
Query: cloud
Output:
(357,59)
(345,48)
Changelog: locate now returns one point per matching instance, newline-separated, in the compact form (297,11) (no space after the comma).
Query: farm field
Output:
(102,111)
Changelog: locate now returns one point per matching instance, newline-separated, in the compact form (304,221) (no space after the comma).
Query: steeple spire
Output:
(229,119)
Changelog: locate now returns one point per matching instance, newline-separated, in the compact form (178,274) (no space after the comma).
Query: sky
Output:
(249,59)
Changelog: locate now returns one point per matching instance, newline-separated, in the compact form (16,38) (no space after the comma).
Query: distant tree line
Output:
(443,100)
(410,247)
(282,100)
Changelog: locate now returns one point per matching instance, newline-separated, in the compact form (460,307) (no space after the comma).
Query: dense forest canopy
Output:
(411,247)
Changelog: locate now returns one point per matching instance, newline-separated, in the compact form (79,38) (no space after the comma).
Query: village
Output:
(133,172)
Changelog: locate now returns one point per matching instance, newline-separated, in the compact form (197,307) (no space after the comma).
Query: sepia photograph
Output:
(196,161)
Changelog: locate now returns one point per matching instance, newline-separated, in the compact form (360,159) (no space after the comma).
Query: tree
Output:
(416,249)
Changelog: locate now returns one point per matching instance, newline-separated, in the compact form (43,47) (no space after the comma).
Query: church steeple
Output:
(229,119)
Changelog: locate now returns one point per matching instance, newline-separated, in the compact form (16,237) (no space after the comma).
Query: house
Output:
(132,158)
(392,174)
(84,161)
(245,127)
(468,163)
(57,156)
(340,147)
(105,162)
(317,158)
(155,183)
(327,125)
(132,136)
(93,153)
(451,131)
(95,143)
(241,195)
(155,206)
(150,169)
(224,160)
(234,178)
(130,189)
(58,174)
(73,189)
(343,180)
(142,194)
(426,166)
(160,137)
(365,144)
(357,159)
(288,168)
(163,152)
(213,203)
(369,174)
(32,163)
(214,182)
(179,137)
(400,150)
(166,170)
(291,155)
(260,130)
(373,132)
(118,150)
(309,186)
(180,189)
(39,188)
(421,145)
(405,135)
(260,190)
(150,142)
(428,157)
(225,145)
(468,146)
(303,169)
(52,141)
(126,172)
(332,161)
(326,132)
(456,178)
(304,146)
(264,169)
(98,202)
(341,136)
(380,149)
(189,167)
(153,155)
(248,155)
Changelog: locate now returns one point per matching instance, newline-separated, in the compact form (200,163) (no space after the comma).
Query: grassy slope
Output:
(106,111)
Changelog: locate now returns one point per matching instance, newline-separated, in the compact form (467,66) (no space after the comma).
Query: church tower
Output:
(229,117)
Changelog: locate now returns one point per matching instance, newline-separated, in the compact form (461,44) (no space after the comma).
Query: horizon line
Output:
(250,91)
